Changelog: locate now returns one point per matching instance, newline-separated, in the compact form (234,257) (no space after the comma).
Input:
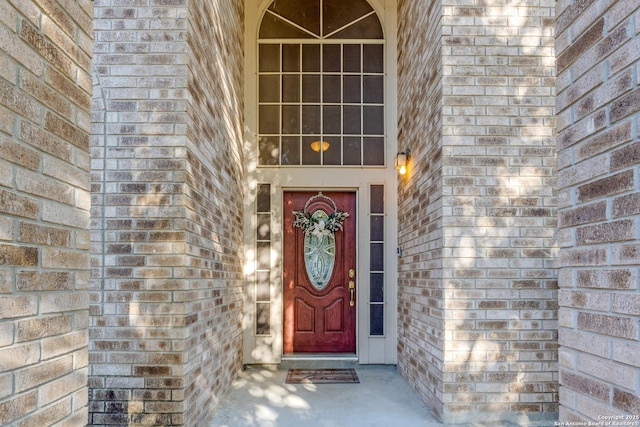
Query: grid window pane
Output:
(264,255)
(263,199)
(377,257)
(309,155)
(351,53)
(377,228)
(373,120)
(333,155)
(331,89)
(376,287)
(331,119)
(290,150)
(263,286)
(310,57)
(269,150)
(373,58)
(311,88)
(311,119)
(331,57)
(373,151)
(291,88)
(269,119)
(290,119)
(376,320)
(352,89)
(269,58)
(373,90)
(377,199)
(352,150)
(263,318)
(264,227)
(290,57)
(352,120)
(269,88)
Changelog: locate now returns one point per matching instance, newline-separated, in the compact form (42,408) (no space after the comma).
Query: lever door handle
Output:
(352,293)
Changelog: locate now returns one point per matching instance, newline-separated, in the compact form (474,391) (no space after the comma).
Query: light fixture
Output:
(320,145)
(402,158)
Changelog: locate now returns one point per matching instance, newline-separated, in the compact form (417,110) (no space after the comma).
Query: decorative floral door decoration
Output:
(319,228)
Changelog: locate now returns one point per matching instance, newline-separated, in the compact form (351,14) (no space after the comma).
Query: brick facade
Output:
(598,115)
(144,303)
(478,326)
(421,317)
(167,208)
(45,93)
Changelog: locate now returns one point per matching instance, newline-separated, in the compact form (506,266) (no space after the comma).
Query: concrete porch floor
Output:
(260,398)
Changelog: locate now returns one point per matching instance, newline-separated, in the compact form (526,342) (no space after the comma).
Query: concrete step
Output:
(321,360)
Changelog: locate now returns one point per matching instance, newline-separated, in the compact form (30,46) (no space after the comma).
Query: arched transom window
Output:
(321,84)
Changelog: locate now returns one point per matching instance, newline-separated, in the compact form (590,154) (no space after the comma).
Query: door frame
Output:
(267,349)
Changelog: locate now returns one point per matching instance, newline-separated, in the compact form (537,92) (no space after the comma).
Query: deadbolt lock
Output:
(352,273)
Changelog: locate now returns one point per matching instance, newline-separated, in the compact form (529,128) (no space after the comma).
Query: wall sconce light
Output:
(401,161)
(319,145)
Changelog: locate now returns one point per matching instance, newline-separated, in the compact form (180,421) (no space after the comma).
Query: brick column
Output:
(599,192)
(45,94)
(478,302)
(167,188)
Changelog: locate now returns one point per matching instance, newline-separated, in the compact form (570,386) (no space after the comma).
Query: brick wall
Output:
(165,332)
(214,203)
(599,197)
(421,319)
(45,92)
(137,342)
(478,210)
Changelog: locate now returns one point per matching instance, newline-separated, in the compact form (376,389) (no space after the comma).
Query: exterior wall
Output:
(599,111)
(421,318)
(45,93)
(480,212)
(165,325)
(214,202)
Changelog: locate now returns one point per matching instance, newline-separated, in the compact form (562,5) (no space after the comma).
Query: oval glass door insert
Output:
(319,252)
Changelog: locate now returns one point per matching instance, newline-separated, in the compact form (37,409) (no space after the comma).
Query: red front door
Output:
(319,294)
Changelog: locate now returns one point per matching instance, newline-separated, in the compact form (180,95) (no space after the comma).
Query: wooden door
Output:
(319,305)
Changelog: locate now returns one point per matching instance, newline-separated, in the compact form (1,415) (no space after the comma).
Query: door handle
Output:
(352,292)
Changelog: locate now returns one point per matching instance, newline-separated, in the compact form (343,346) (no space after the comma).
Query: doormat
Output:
(321,376)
